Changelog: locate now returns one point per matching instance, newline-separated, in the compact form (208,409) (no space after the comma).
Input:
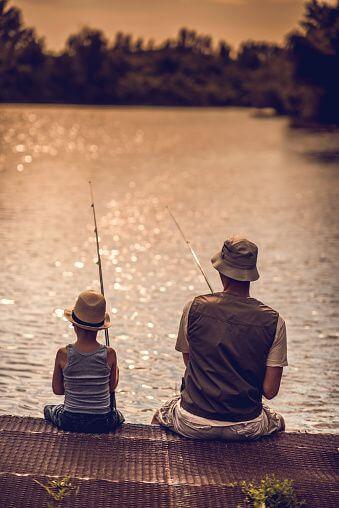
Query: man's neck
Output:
(239,290)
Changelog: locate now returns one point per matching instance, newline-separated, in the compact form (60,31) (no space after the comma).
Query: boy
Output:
(86,372)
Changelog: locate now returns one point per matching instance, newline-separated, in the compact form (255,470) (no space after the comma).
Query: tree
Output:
(139,44)
(123,42)
(224,51)
(253,55)
(314,49)
(86,52)
(21,57)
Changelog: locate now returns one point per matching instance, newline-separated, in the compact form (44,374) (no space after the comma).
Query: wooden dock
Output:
(145,466)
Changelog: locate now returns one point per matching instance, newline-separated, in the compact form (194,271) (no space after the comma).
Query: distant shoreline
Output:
(125,106)
(293,123)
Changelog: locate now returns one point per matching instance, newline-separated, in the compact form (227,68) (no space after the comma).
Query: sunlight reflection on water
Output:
(221,171)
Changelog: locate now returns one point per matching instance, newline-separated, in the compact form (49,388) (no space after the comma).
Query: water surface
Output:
(222,171)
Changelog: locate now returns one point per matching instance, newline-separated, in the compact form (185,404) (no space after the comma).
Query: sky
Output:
(232,20)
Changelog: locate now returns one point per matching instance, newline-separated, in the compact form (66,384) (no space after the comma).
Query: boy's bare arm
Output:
(58,378)
(113,364)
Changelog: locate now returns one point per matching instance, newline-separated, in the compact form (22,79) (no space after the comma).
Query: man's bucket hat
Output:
(237,259)
(89,312)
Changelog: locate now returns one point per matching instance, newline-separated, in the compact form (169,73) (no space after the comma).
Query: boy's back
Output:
(86,380)
(86,372)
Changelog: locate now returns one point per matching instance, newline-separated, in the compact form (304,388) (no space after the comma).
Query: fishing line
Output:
(194,255)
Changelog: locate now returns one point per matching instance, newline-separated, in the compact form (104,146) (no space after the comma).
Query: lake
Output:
(221,171)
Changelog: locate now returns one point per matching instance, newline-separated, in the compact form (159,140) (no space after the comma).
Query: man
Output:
(234,349)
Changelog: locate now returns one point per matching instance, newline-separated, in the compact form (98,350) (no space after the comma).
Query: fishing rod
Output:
(195,257)
(98,252)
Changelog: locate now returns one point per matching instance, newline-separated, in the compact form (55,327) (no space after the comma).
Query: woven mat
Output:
(145,466)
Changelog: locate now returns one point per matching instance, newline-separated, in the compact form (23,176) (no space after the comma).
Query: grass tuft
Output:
(59,489)
(270,493)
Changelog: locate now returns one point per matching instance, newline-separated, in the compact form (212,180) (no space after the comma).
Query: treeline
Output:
(300,78)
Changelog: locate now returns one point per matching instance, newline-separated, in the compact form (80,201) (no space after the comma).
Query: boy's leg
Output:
(115,419)
(97,424)
(53,414)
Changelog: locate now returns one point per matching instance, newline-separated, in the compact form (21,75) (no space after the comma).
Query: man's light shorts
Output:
(169,416)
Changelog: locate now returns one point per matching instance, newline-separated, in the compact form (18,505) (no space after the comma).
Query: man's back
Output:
(230,337)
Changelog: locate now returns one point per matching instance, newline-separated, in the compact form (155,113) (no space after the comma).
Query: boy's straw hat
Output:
(89,312)
(237,259)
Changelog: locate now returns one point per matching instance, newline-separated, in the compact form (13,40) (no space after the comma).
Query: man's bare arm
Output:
(272,381)
(186,358)
(182,341)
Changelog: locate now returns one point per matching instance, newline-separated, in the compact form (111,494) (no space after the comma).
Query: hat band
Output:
(86,323)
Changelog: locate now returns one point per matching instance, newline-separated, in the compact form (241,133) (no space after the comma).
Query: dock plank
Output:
(146,466)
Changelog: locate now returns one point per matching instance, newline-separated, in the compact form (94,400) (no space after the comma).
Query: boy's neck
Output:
(86,337)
